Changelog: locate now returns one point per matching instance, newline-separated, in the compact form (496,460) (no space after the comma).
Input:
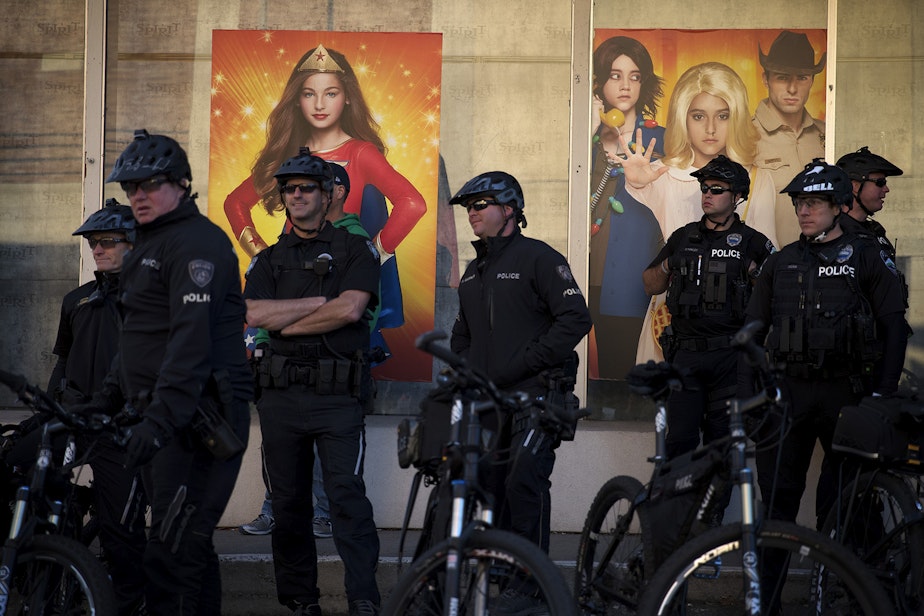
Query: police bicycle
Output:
(878,514)
(43,570)
(678,563)
(476,566)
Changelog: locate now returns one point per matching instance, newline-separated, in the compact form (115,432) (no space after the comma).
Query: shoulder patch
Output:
(375,253)
(733,239)
(201,272)
(565,273)
(250,267)
(845,253)
(889,263)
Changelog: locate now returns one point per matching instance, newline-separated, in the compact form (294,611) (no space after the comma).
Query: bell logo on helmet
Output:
(827,186)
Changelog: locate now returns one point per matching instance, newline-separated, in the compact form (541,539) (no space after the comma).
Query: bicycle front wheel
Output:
(57,575)
(610,564)
(878,518)
(499,570)
(801,572)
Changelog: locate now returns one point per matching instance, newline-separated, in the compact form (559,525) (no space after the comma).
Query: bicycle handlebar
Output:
(555,417)
(39,400)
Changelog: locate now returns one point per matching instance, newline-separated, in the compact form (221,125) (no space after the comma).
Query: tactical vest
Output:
(820,318)
(712,280)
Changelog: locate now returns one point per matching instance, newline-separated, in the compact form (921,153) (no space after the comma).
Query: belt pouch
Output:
(342,376)
(325,384)
(278,371)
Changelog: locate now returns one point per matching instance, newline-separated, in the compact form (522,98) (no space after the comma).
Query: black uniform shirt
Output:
(730,251)
(184,315)
(286,270)
(861,265)
(88,335)
(520,310)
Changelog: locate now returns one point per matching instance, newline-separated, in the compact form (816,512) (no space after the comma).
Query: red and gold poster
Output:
(398,76)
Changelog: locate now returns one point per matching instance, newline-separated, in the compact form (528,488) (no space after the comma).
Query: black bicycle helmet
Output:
(726,170)
(149,155)
(305,164)
(821,178)
(112,217)
(861,163)
(498,184)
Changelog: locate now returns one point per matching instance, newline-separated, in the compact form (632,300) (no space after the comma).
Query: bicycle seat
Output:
(654,380)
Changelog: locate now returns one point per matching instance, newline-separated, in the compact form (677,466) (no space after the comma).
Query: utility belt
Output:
(327,377)
(209,422)
(703,344)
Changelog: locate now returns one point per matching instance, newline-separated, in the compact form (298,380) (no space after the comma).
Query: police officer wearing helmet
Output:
(707,268)
(832,307)
(312,291)
(520,316)
(180,360)
(869,175)
(87,342)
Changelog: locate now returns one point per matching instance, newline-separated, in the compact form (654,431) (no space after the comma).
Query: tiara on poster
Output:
(320,60)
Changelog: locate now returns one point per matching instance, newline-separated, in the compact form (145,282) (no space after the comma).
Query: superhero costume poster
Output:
(625,234)
(398,75)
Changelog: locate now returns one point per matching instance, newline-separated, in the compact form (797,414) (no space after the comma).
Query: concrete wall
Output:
(601,450)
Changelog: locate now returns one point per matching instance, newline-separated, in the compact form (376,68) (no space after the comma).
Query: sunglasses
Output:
(148,186)
(880,182)
(306,189)
(479,205)
(812,203)
(715,190)
(105,242)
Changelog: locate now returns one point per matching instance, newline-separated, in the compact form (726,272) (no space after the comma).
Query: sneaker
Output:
(322,528)
(308,610)
(363,607)
(262,525)
(512,602)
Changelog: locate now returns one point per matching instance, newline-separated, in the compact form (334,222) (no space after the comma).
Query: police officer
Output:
(824,298)
(869,175)
(311,291)
(182,366)
(87,342)
(520,316)
(707,269)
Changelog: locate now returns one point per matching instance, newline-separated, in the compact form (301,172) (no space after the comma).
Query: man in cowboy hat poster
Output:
(789,136)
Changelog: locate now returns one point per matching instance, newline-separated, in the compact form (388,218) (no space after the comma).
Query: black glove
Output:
(144,441)
(86,409)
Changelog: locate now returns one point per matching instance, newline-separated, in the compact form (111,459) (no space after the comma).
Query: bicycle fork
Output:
(749,565)
(454,556)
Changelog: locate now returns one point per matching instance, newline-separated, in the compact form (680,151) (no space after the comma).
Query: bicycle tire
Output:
(507,558)
(611,587)
(58,575)
(883,527)
(823,577)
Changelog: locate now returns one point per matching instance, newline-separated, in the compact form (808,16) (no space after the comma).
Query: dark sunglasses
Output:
(715,190)
(880,182)
(105,242)
(479,205)
(306,189)
(148,186)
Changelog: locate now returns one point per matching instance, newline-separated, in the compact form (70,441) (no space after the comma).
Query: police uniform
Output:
(181,344)
(834,310)
(309,394)
(87,341)
(708,290)
(877,231)
(520,314)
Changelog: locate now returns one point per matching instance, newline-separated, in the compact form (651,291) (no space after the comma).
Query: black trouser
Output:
(781,471)
(188,490)
(520,482)
(120,504)
(292,420)
(700,407)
